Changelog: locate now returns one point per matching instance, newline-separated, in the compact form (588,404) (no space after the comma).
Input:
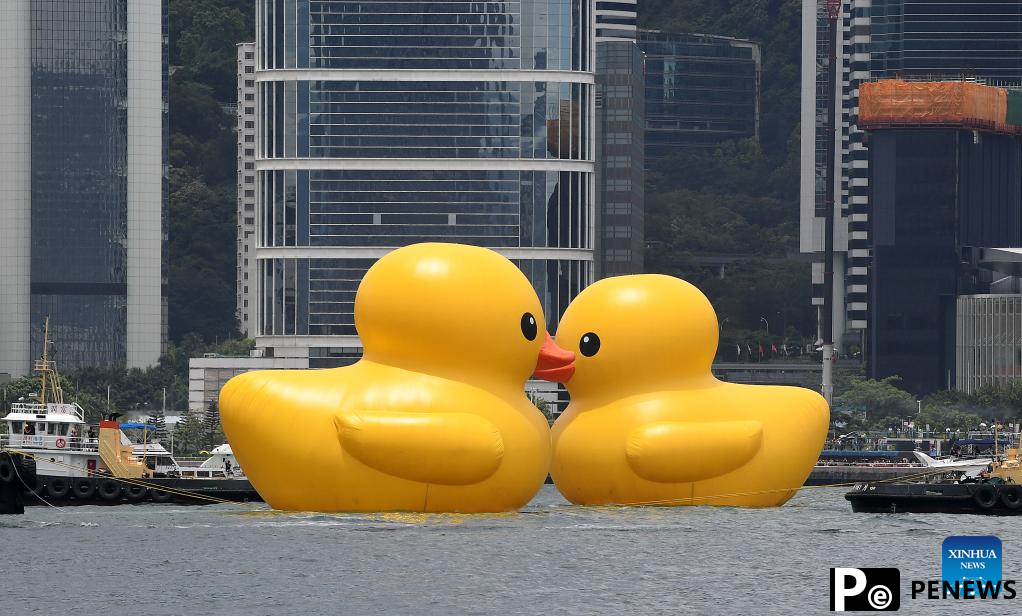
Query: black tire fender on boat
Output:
(84,489)
(6,469)
(135,492)
(985,496)
(109,490)
(1011,496)
(58,487)
(160,496)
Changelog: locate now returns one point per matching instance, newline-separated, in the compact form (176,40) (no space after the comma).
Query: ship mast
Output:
(47,370)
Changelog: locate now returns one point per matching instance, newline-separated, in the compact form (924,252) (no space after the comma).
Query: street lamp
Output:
(767,323)
(725,320)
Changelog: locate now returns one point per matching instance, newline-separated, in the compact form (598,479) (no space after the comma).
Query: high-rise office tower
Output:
(700,90)
(880,39)
(82,181)
(616,20)
(246,224)
(620,161)
(381,127)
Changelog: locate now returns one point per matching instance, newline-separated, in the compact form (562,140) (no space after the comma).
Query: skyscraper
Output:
(880,39)
(620,162)
(379,128)
(246,225)
(616,20)
(82,179)
(700,90)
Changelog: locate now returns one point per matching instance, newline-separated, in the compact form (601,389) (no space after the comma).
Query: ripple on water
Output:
(551,558)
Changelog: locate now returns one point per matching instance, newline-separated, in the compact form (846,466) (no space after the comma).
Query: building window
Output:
(619,255)
(618,209)
(249,69)
(618,231)
(619,138)
(619,91)
(249,151)
(250,193)
(618,162)
(250,165)
(619,184)
(249,138)
(249,124)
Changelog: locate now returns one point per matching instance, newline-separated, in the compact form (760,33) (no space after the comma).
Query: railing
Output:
(38,408)
(49,441)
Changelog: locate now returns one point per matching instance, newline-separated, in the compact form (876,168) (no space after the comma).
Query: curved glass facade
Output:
(458,149)
(425,119)
(412,34)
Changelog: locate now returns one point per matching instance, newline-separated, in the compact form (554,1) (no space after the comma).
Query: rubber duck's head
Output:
(637,333)
(458,311)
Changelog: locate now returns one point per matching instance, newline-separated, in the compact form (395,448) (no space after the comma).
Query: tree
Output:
(877,400)
(211,426)
(158,419)
(188,435)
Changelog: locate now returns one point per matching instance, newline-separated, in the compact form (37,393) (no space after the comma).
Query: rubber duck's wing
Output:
(675,452)
(441,448)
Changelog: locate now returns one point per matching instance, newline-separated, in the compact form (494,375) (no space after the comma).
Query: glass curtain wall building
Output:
(881,39)
(385,123)
(700,90)
(85,212)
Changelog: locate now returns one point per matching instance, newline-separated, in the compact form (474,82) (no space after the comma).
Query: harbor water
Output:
(552,558)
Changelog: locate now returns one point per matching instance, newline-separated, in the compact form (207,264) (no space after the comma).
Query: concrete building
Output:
(83,181)
(620,158)
(616,20)
(207,375)
(246,223)
(700,90)
(880,39)
(479,131)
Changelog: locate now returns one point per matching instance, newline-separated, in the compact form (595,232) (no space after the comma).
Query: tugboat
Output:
(997,491)
(76,464)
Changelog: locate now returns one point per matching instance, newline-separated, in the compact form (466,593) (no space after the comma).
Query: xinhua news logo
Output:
(865,590)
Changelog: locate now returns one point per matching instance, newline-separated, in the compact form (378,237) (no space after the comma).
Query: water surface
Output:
(552,558)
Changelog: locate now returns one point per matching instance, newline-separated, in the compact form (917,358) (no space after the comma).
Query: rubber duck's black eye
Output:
(589,344)
(529,327)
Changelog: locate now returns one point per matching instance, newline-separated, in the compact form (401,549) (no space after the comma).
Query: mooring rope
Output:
(129,481)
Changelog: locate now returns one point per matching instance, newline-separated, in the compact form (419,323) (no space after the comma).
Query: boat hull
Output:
(64,491)
(980,499)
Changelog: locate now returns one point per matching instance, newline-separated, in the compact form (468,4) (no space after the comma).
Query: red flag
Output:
(761,350)
(773,349)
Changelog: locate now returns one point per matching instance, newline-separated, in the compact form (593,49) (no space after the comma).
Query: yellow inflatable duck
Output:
(433,418)
(649,424)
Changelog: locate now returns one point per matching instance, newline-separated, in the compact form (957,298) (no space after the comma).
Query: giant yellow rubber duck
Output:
(649,424)
(433,418)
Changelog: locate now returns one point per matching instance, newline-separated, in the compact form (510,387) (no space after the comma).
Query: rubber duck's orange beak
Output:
(555,364)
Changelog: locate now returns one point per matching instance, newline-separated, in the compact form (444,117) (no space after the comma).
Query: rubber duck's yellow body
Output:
(649,424)
(433,418)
